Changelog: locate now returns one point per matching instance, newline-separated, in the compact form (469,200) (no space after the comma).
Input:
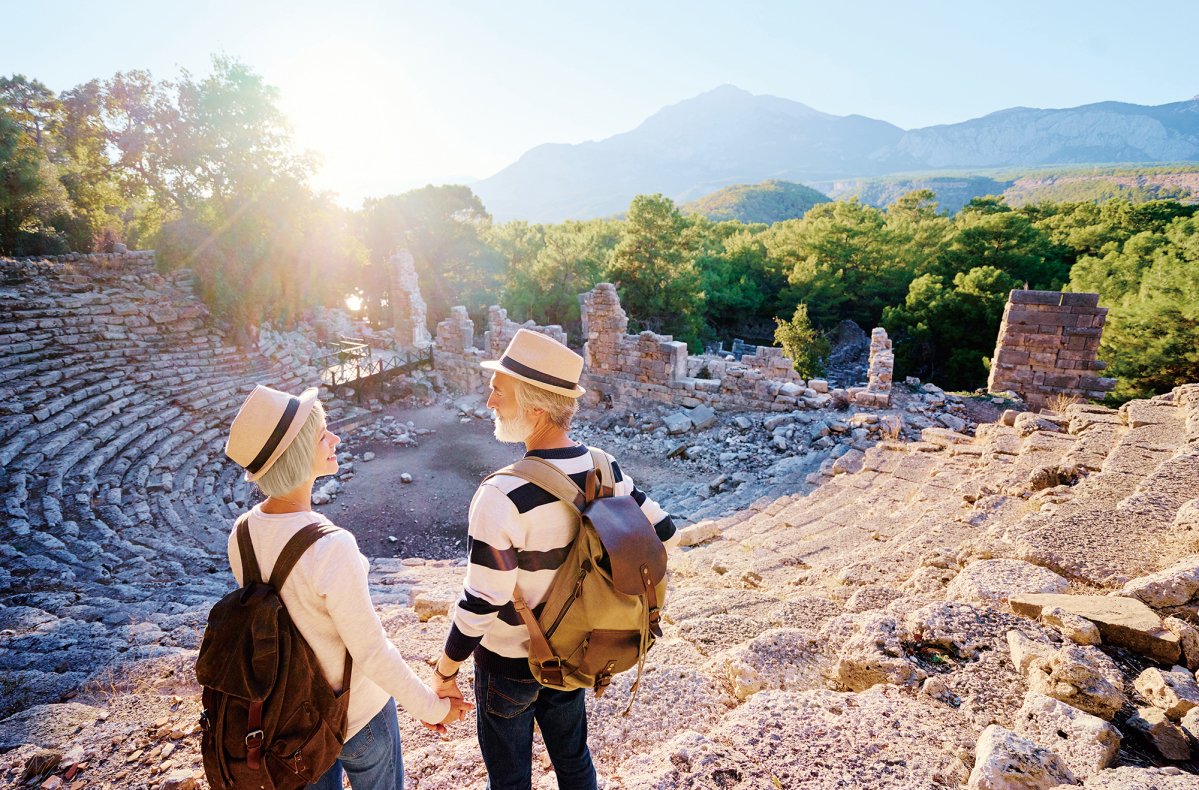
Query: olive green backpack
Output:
(601,613)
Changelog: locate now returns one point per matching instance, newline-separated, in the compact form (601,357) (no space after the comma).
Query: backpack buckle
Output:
(551,671)
(254,739)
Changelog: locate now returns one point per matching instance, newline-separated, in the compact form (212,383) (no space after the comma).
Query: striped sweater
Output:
(520,535)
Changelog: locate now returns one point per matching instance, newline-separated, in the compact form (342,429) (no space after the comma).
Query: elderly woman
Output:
(282,442)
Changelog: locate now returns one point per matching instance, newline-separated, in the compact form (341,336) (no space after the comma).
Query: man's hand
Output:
(457,712)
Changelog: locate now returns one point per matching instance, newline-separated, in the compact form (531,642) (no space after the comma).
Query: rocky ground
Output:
(1013,609)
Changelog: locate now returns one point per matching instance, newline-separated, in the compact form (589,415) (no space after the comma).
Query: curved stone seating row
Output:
(115,393)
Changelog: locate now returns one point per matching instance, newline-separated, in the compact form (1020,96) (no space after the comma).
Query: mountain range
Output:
(730,136)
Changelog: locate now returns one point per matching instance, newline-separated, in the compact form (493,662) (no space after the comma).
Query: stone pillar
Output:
(604,325)
(1047,346)
(882,367)
(408,311)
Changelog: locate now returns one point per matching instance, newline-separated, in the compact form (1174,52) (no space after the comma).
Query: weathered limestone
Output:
(1174,692)
(1004,760)
(1081,677)
(1172,586)
(1121,621)
(1047,345)
(1166,736)
(994,581)
(408,310)
(1087,744)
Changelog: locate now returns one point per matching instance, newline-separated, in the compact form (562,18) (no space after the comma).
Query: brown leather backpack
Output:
(270,720)
(601,613)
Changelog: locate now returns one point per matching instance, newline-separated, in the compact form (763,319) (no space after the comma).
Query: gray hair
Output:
(294,467)
(559,409)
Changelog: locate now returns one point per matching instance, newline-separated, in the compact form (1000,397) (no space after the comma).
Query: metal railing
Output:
(353,360)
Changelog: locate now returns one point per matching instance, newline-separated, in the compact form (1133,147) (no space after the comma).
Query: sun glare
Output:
(354,303)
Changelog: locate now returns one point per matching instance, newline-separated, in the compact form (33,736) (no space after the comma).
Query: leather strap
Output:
(292,551)
(545,475)
(651,602)
(250,571)
(551,665)
(295,548)
(254,735)
(603,465)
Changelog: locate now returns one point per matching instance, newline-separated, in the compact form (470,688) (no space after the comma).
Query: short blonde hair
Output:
(294,467)
(559,409)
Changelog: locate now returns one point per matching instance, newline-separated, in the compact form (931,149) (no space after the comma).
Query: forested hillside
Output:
(769,202)
(203,170)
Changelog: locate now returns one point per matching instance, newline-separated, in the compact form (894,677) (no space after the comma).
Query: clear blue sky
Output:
(397,94)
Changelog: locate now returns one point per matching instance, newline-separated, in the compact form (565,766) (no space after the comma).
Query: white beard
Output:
(514,431)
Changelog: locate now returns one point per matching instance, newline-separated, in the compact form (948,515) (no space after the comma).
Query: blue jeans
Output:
(371,758)
(505,709)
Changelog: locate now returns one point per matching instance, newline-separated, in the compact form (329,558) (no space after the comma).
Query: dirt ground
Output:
(428,516)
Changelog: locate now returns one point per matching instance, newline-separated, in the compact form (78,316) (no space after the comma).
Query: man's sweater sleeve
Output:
(340,577)
(490,572)
(661,520)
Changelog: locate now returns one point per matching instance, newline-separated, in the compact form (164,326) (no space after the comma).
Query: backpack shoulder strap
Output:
(251,572)
(295,548)
(603,467)
(545,475)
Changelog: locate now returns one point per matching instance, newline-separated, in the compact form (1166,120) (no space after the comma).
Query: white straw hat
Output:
(265,427)
(540,360)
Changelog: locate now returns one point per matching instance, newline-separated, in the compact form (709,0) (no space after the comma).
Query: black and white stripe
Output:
(520,534)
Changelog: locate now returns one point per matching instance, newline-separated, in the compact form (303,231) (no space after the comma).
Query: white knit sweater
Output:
(328,600)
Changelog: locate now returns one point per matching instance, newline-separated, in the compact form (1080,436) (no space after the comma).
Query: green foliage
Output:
(840,262)
(1150,282)
(945,330)
(549,266)
(654,273)
(444,228)
(31,196)
(768,202)
(803,343)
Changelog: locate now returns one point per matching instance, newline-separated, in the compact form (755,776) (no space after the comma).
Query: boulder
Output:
(994,581)
(676,423)
(1190,723)
(1174,692)
(873,654)
(1166,736)
(1086,743)
(1188,639)
(1172,586)
(1079,676)
(1078,630)
(1121,621)
(1004,760)
(702,417)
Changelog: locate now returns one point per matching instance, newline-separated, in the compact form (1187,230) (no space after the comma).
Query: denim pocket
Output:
(360,743)
(510,697)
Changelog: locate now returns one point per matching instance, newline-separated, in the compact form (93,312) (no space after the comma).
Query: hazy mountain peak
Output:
(728,135)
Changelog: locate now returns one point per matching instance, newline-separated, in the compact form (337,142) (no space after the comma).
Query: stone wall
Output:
(653,368)
(1047,346)
(456,357)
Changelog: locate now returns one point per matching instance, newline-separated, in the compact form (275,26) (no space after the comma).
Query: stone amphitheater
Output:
(1015,608)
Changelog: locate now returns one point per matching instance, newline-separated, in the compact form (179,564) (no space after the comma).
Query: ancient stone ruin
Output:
(1047,347)
(408,311)
(649,367)
(882,366)
(456,357)
(1017,607)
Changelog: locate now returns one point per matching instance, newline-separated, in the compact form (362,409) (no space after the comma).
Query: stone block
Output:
(1035,297)
(1121,621)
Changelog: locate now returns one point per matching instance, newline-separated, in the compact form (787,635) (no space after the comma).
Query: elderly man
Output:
(519,534)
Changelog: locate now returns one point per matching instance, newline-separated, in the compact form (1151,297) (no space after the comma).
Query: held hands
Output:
(446,687)
(458,710)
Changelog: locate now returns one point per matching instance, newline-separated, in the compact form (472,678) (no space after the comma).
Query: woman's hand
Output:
(458,710)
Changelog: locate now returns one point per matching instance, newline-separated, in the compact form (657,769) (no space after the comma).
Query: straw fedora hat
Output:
(540,360)
(265,427)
